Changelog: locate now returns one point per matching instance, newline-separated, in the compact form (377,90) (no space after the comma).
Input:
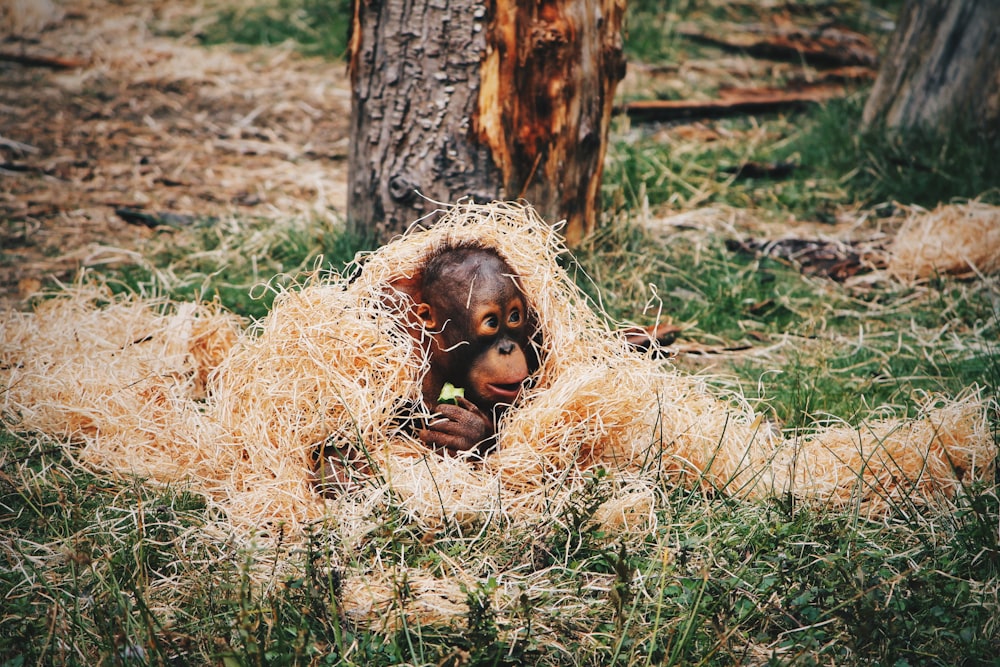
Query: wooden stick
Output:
(38,60)
(751,102)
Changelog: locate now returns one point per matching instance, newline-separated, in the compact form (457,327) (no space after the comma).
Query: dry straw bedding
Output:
(957,239)
(182,392)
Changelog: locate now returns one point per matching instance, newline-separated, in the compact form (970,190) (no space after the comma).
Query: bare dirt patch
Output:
(146,120)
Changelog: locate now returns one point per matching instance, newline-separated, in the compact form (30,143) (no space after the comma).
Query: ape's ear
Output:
(425,314)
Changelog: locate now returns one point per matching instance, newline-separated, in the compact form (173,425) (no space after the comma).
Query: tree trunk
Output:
(942,67)
(491,100)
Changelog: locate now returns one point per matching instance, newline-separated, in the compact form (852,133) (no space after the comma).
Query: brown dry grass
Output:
(159,124)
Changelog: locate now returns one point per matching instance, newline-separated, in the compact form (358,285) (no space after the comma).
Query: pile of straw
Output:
(123,378)
(177,391)
(889,463)
(956,239)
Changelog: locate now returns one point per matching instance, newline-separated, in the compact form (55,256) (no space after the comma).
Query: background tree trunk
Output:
(494,100)
(942,67)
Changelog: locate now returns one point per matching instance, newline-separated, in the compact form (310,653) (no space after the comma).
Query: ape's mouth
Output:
(505,392)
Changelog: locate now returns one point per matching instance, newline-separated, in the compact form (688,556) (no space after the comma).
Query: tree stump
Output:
(942,67)
(502,100)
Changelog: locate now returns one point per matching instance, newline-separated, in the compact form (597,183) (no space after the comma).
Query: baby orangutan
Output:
(477,317)
(472,318)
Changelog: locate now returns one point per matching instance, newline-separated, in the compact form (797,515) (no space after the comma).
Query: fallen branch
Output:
(829,46)
(38,60)
(13,167)
(838,260)
(749,102)
(701,350)
(136,216)
(17,145)
(851,74)
(761,169)
(655,337)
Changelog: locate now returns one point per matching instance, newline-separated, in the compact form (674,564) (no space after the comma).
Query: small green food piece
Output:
(450,393)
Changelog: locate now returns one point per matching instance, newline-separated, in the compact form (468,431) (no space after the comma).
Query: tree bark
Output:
(942,67)
(491,100)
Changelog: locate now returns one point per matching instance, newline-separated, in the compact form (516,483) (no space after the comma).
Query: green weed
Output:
(316,27)
(649,30)
(920,166)
(99,571)
(241,263)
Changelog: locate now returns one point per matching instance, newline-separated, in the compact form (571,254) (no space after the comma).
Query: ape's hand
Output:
(457,428)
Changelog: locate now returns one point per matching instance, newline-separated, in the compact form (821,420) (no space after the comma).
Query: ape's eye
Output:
(492,322)
(515,317)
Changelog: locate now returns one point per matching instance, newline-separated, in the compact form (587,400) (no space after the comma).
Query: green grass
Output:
(836,351)
(665,170)
(242,264)
(837,165)
(112,571)
(649,30)
(104,572)
(918,166)
(652,35)
(315,27)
